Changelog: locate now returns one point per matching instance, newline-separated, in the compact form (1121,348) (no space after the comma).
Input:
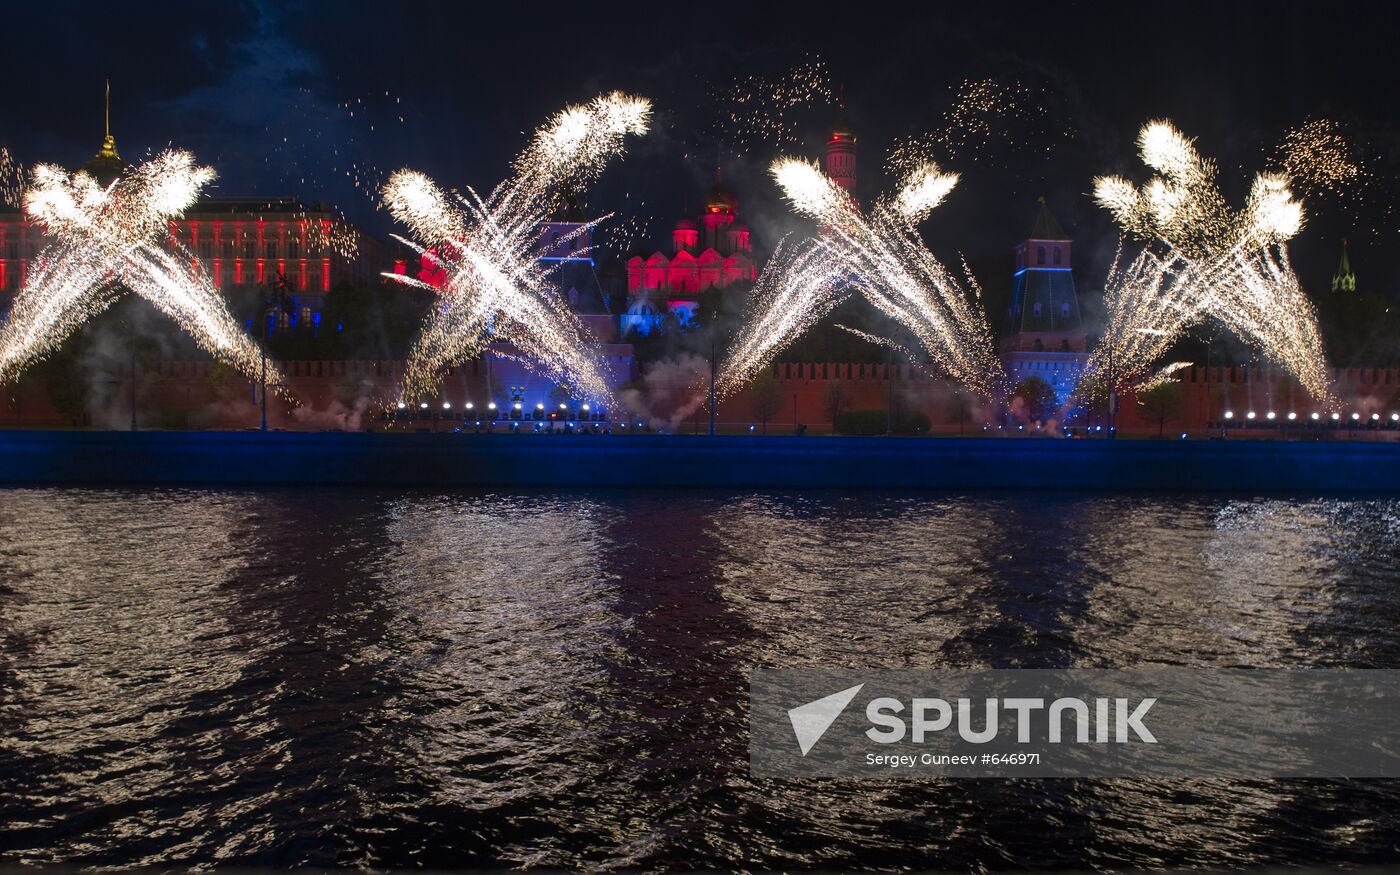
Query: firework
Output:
(494,286)
(106,239)
(879,256)
(11,180)
(1318,157)
(1203,260)
(757,111)
(985,120)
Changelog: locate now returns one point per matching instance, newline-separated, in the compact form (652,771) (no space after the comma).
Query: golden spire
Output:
(109,145)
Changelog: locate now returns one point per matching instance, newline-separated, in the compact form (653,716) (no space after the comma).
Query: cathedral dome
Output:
(106,165)
(718,199)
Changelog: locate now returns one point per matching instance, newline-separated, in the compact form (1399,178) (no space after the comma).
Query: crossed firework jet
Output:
(1211,262)
(880,256)
(105,239)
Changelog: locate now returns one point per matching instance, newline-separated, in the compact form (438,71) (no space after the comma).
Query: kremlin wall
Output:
(253,242)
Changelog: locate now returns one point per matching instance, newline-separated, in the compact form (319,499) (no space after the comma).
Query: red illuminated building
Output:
(237,242)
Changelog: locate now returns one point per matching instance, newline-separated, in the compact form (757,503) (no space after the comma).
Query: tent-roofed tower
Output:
(1044,313)
(106,165)
(1344,281)
(1045,332)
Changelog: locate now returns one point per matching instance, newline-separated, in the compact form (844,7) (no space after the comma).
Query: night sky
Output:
(265,93)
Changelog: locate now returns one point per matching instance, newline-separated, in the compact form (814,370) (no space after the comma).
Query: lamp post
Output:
(131,350)
(712,383)
(1112,397)
(132,342)
(889,394)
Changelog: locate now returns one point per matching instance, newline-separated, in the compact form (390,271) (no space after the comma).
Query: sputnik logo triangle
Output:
(811,721)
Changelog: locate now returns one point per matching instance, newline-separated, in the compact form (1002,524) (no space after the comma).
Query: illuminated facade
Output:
(711,253)
(237,242)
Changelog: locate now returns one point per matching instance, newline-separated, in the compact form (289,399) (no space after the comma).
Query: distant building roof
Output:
(1344,280)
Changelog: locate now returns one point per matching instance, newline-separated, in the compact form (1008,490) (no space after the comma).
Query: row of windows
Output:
(1056,253)
(1064,310)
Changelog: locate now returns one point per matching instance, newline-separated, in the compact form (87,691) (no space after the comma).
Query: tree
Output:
(767,394)
(1161,402)
(1038,397)
(836,400)
(960,407)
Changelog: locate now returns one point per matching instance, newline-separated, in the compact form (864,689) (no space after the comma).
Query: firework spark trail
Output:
(801,284)
(495,286)
(1319,157)
(107,239)
(881,257)
(986,120)
(11,180)
(1211,262)
(756,111)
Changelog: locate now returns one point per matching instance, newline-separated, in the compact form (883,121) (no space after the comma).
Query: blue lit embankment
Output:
(506,461)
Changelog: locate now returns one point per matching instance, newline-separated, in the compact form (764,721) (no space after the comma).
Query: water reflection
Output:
(339,677)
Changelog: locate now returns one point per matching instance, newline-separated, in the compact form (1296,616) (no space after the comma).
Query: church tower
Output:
(841,150)
(106,165)
(1344,281)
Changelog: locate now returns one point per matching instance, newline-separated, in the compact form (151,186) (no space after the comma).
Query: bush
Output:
(873,422)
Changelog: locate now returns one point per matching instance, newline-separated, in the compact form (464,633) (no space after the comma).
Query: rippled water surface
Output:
(407,679)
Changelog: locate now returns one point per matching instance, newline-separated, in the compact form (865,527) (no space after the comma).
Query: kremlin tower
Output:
(1045,336)
(1344,281)
(841,150)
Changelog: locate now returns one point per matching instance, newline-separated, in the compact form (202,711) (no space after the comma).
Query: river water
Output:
(447,680)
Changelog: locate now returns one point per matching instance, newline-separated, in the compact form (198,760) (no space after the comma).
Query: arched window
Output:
(1057,255)
(1040,255)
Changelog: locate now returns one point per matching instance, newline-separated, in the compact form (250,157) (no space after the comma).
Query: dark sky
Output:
(264,93)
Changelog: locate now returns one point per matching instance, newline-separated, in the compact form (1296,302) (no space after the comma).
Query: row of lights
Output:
(1375,417)
(447,405)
